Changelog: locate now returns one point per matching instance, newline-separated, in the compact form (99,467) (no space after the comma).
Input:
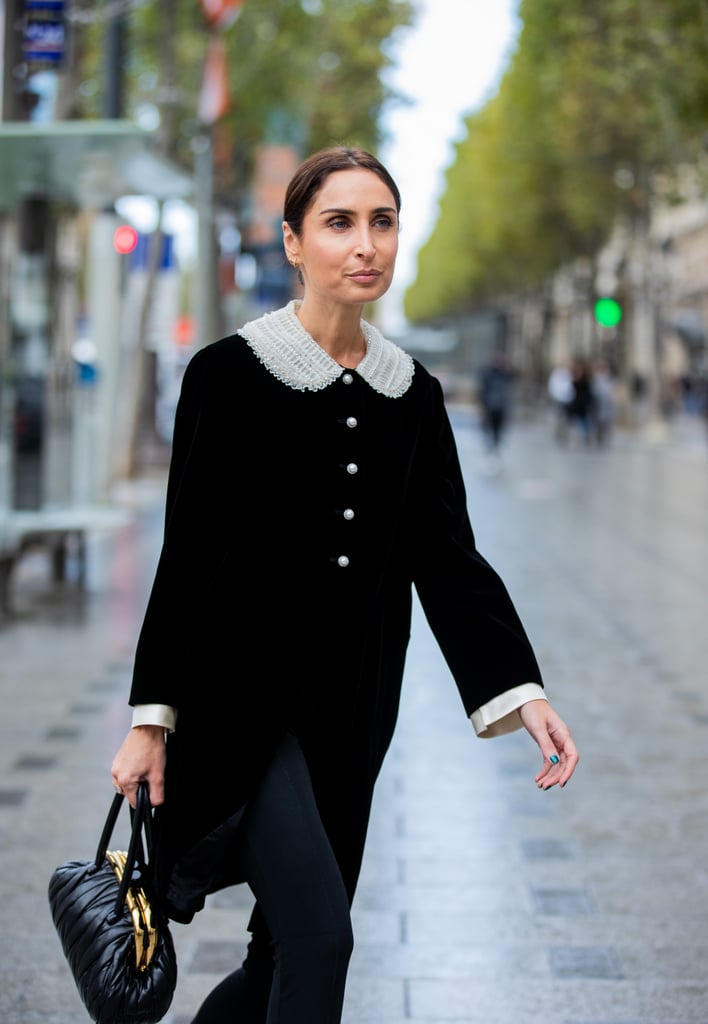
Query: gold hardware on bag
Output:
(140,912)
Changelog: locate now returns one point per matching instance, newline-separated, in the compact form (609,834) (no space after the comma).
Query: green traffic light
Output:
(608,312)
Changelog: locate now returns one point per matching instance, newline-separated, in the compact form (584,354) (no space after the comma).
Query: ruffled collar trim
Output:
(287,351)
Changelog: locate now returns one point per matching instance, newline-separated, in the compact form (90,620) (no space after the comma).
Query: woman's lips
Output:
(365,275)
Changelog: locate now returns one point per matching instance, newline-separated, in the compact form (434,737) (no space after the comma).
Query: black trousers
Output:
(297,961)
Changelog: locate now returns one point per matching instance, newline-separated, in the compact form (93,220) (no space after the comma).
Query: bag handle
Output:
(141,822)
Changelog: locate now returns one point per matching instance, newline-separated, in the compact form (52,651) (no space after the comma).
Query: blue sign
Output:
(86,374)
(44,33)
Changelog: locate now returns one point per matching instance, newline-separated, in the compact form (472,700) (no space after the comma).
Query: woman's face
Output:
(349,240)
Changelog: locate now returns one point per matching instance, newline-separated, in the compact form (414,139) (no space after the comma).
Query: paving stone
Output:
(12,797)
(532,808)
(62,732)
(217,957)
(34,763)
(563,902)
(106,685)
(585,962)
(549,849)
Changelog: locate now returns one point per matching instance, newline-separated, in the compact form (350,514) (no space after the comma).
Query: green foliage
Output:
(307,72)
(600,98)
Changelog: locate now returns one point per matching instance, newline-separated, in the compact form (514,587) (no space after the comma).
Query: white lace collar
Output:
(288,352)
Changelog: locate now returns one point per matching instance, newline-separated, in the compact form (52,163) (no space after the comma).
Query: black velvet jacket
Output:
(273,607)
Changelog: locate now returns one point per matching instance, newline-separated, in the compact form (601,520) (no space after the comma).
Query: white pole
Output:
(104,291)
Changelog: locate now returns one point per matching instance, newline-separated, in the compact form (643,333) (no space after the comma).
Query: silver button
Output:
(352,422)
(348,513)
(352,468)
(347,378)
(342,561)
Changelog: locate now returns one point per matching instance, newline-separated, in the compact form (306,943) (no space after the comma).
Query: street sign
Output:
(43,36)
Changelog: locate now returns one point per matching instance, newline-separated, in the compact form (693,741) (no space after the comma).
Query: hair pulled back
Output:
(311,175)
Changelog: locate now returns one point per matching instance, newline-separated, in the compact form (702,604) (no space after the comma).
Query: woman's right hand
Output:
(141,757)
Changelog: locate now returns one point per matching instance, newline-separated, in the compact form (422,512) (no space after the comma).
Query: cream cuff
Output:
(500,715)
(155,714)
(495,718)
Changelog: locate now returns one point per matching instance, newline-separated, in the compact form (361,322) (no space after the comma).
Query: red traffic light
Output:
(125,239)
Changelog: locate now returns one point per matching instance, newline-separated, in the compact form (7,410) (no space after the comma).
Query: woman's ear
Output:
(292,247)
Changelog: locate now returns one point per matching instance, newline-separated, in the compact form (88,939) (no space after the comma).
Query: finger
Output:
(560,773)
(130,792)
(570,763)
(157,792)
(551,762)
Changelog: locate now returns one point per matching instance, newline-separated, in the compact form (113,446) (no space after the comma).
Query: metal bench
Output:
(61,532)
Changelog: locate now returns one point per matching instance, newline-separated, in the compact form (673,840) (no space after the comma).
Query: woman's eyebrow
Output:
(350,213)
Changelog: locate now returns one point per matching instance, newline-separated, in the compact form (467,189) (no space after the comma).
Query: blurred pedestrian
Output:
(495,384)
(581,408)
(314,479)
(603,401)
(560,390)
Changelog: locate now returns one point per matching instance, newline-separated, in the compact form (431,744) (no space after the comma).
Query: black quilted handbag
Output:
(119,949)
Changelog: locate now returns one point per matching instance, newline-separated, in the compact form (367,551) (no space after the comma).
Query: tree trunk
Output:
(143,410)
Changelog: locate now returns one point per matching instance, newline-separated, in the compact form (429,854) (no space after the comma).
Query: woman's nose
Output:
(365,245)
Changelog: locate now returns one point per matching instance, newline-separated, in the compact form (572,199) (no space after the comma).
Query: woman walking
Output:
(314,480)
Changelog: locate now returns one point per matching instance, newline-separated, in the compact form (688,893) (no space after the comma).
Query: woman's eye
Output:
(338,223)
(383,222)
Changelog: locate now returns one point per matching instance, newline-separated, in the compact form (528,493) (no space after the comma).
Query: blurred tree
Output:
(302,71)
(602,99)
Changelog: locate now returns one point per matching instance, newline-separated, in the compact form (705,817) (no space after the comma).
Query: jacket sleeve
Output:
(195,540)
(465,602)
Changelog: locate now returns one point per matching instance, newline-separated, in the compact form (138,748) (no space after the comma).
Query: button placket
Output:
(348,443)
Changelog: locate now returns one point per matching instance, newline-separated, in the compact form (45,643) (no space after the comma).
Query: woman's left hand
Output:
(554,740)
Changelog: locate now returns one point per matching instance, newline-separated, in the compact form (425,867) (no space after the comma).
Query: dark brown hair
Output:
(311,175)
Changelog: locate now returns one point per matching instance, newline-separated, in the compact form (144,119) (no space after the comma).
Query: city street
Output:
(483,900)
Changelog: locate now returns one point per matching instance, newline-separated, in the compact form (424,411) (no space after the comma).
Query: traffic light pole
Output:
(113,97)
(12,109)
(204,199)
(14,106)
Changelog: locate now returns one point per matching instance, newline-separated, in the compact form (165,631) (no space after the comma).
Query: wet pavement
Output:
(482,900)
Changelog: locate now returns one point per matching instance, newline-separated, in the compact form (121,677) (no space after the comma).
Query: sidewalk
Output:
(482,900)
